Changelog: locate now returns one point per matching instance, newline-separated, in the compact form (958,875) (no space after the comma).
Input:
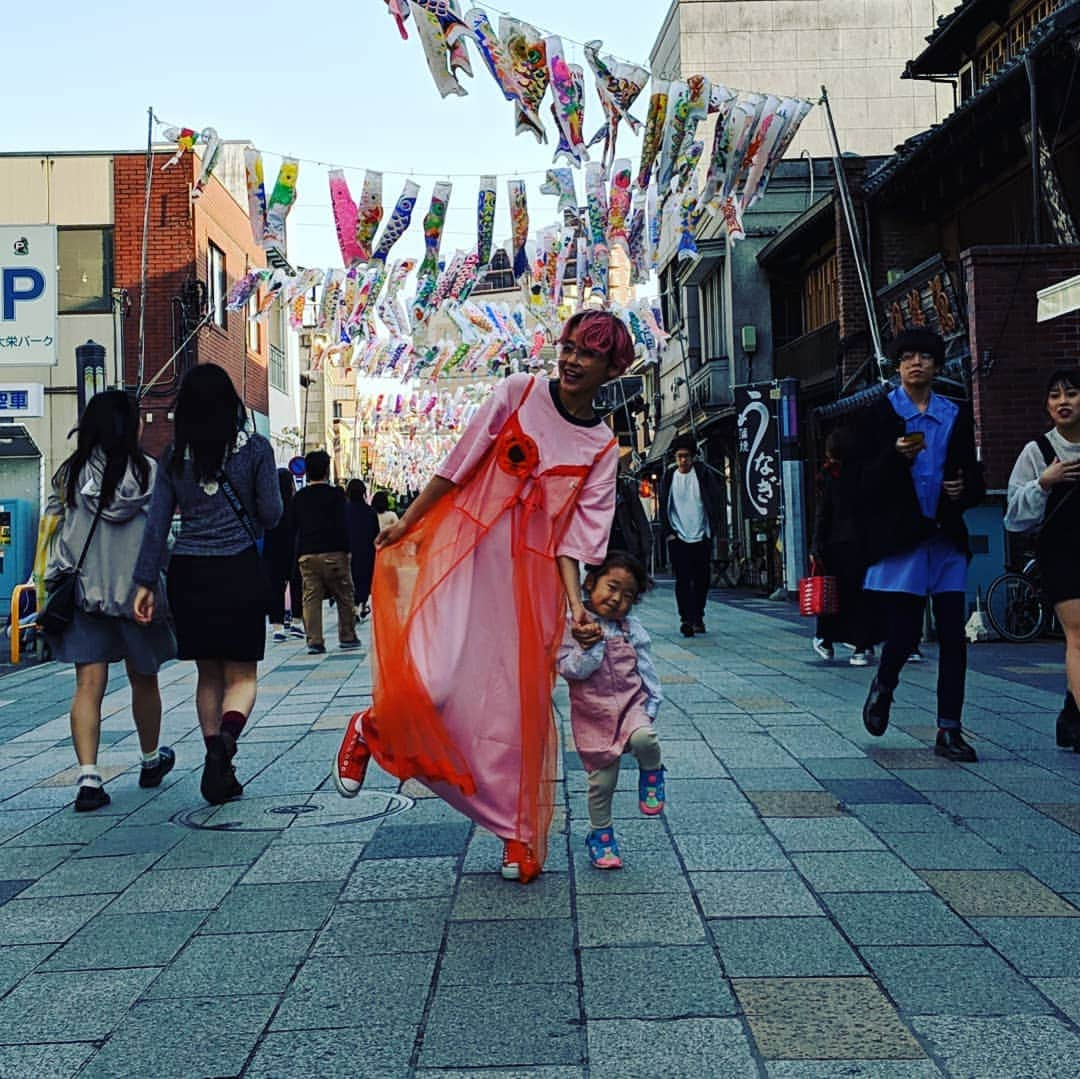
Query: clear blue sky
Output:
(328,82)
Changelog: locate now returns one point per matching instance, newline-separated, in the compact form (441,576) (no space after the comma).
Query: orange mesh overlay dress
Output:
(469,611)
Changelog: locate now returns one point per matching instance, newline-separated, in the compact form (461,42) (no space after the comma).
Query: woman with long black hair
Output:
(224,483)
(102,492)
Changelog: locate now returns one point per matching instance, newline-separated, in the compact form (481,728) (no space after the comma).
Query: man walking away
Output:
(690,513)
(322,545)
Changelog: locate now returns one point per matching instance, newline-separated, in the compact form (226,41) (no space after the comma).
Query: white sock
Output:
(149,760)
(89,775)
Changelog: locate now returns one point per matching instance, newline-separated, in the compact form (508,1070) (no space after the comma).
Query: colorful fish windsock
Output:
(437,51)
(494,53)
(565,249)
(791,113)
(596,202)
(434,222)
(617,82)
(639,266)
(528,55)
(568,108)
(687,107)
(369,213)
(296,295)
(344,210)
(768,130)
(281,202)
(256,192)
(619,206)
(723,144)
(743,118)
(519,227)
(330,301)
(389,307)
(485,219)
(395,228)
(560,182)
(210,156)
(185,139)
(399,9)
(654,132)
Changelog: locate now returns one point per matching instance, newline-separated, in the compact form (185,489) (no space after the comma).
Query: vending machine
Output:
(18,528)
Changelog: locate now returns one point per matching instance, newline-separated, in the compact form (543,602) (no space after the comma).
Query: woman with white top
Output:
(1043,496)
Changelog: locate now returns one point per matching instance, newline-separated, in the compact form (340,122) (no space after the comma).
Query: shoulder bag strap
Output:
(238,507)
(90,536)
(1047,449)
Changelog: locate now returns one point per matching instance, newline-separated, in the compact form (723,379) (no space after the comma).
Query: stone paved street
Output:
(813,903)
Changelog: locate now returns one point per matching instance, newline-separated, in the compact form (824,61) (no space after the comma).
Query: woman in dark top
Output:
(362,526)
(224,483)
(279,556)
(838,550)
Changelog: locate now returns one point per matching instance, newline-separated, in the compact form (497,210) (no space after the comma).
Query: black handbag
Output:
(58,611)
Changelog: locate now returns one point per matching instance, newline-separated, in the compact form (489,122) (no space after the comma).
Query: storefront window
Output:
(86,270)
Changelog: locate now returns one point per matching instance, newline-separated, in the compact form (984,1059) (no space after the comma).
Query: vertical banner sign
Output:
(28,295)
(759,454)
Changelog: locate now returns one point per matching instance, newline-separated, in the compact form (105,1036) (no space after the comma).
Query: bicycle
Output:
(1016,606)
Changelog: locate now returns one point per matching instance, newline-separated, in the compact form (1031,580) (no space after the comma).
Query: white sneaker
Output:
(860,659)
(916,657)
(824,650)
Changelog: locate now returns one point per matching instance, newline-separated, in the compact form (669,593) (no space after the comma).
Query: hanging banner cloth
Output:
(568,108)
(281,202)
(256,193)
(519,227)
(470,715)
(528,55)
(485,220)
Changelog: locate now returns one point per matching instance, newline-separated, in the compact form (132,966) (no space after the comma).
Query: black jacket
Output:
(894,523)
(630,528)
(838,524)
(710,495)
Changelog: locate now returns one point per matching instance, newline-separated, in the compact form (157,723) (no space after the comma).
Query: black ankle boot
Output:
(1068,724)
(950,744)
(875,713)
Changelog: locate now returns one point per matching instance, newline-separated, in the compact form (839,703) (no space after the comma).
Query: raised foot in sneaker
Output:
(90,798)
(875,713)
(351,762)
(153,775)
(860,659)
(951,745)
(650,791)
(603,849)
(519,862)
(823,648)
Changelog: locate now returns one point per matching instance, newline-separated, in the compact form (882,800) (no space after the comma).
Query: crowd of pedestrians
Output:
(476,593)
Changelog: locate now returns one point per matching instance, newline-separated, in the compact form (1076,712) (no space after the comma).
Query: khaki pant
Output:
(327,575)
(646,747)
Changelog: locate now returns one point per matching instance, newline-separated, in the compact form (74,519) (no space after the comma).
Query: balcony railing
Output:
(710,385)
(811,356)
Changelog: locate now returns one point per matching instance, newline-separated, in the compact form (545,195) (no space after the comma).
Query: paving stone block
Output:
(976,1048)
(1043,947)
(753,895)
(1064,992)
(30,863)
(177,889)
(490,953)
(874,792)
(384,927)
(618,920)
(311,862)
(955,848)
(419,841)
(490,897)
(401,878)
(891,819)
(1067,813)
(775,779)
(782,948)
(682,981)
(952,981)
(824,1018)
(699,818)
(644,872)
(49,920)
(387,997)
(857,871)
(701,1047)
(254,908)
(486,1030)
(741,852)
(70,1006)
(126,940)
(134,839)
(997,893)
(796,803)
(836,834)
(331,1054)
(198,849)
(941,779)
(16,961)
(45,1061)
(896,918)
(851,1069)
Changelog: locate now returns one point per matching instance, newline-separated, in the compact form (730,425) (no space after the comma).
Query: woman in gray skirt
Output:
(223,481)
(103,491)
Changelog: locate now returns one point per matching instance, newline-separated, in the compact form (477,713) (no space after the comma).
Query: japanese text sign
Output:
(21,400)
(759,455)
(28,295)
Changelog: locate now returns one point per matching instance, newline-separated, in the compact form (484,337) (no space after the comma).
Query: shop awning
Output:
(1058,299)
(661,443)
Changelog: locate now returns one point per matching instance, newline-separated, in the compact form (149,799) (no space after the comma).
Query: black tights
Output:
(903,612)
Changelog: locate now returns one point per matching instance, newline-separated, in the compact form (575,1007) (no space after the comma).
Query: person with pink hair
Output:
(470,593)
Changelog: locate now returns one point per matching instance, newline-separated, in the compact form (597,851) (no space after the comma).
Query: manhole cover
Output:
(367,806)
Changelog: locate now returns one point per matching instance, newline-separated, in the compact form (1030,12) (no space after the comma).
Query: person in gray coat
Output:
(110,479)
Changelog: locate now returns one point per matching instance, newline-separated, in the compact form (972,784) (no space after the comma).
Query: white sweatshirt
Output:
(1027,499)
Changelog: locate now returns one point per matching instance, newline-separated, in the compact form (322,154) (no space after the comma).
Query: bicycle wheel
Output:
(1014,607)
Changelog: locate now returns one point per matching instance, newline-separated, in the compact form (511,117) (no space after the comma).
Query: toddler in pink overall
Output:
(614,698)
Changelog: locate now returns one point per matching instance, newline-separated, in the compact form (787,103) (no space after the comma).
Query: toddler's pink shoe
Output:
(603,849)
(650,792)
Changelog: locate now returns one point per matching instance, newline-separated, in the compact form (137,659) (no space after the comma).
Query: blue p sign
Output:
(19,283)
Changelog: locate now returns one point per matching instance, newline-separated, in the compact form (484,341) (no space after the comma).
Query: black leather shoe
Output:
(89,798)
(951,745)
(152,777)
(686,629)
(699,627)
(1068,725)
(875,712)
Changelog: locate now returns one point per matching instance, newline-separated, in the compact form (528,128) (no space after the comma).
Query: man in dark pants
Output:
(690,514)
(918,473)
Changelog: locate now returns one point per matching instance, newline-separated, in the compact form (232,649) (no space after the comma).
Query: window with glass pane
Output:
(253,327)
(217,284)
(86,270)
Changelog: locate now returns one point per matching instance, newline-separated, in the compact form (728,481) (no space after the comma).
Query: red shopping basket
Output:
(818,595)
